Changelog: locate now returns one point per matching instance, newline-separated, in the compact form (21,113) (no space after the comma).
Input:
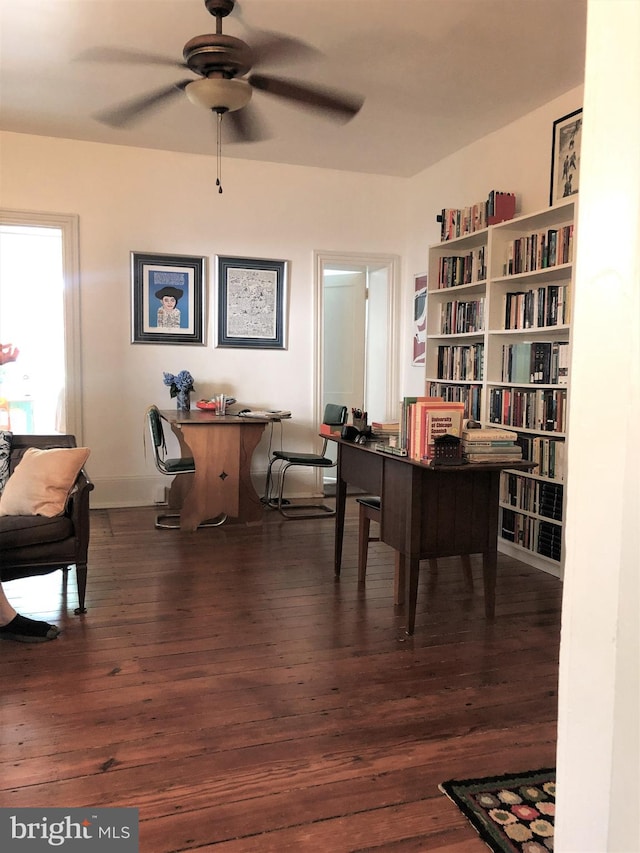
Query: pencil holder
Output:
(360,423)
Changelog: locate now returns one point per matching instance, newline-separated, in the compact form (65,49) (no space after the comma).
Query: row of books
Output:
(461,362)
(469,395)
(548,454)
(423,419)
(490,445)
(455,270)
(541,537)
(536,362)
(539,250)
(456,318)
(537,308)
(536,496)
(457,222)
(540,410)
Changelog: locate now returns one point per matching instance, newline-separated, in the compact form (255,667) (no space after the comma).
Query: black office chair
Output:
(171,467)
(334,416)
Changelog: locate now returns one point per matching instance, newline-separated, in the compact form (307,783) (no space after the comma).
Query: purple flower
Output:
(182,382)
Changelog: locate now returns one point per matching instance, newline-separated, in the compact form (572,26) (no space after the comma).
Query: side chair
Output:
(334,416)
(172,467)
(370,509)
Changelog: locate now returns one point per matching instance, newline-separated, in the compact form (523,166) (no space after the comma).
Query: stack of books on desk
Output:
(490,445)
(385,431)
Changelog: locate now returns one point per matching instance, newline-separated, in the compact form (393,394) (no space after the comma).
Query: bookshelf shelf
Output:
(450,292)
(528,307)
(530,514)
(465,335)
(541,332)
(541,275)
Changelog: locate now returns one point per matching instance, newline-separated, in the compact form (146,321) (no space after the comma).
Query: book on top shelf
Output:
(458,222)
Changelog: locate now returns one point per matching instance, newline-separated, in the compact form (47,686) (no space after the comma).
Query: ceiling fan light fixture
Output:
(219,94)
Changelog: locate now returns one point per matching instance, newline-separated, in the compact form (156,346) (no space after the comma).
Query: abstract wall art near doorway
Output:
(419,319)
(167,299)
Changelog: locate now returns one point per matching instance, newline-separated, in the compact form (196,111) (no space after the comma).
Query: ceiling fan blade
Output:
(272,48)
(136,57)
(268,46)
(338,105)
(129,111)
(244,125)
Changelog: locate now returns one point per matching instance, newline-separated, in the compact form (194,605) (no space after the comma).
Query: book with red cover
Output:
(501,206)
(439,420)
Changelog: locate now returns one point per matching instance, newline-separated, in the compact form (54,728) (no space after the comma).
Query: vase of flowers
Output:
(180,387)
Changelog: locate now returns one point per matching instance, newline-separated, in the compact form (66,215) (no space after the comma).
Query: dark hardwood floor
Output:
(224,683)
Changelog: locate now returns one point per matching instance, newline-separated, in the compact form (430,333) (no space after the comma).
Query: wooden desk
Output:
(426,512)
(222,448)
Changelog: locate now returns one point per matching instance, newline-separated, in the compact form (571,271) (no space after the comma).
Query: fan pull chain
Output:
(219,151)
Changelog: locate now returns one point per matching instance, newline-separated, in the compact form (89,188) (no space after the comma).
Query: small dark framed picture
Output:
(565,156)
(252,301)
(167,299)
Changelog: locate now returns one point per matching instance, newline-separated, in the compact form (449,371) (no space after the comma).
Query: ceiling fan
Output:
(224,83)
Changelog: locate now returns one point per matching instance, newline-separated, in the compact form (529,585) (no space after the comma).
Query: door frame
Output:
(68,224)
(324,259)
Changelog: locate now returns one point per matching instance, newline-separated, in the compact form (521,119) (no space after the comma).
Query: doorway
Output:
(39,315)
(356,328)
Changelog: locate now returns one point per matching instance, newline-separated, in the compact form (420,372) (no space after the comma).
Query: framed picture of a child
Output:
(167,299)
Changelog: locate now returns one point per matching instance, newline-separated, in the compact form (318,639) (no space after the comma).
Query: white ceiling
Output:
(436,74)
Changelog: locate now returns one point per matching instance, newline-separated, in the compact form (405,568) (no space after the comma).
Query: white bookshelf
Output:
(452,350)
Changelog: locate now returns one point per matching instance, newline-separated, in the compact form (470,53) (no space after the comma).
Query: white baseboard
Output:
(113,492)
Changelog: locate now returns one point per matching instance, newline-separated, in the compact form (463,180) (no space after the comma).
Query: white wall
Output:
(599,719)
(154,201)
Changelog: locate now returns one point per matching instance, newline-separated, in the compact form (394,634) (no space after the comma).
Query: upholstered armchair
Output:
(38,544)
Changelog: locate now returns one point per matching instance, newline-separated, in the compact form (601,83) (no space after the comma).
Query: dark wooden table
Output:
(426,512)
(222,447)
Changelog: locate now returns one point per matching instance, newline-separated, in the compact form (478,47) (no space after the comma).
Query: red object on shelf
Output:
(504,207)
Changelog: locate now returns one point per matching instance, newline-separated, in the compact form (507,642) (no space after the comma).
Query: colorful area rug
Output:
(511,814)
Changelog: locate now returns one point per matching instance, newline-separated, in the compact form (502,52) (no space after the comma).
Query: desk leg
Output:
(341,500)
(414,574)
(489,567)
(468,573)
(400,578)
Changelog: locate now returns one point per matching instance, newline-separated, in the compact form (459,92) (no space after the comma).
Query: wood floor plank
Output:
(228,686)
